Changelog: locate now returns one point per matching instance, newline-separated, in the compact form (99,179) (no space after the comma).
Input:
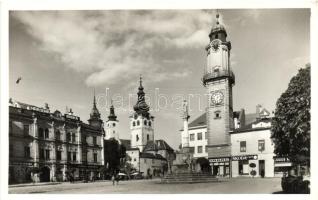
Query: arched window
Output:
(137,138)
(145,123)
(149,123)
(147,137)
(134,124)
(114,124)
(138,122)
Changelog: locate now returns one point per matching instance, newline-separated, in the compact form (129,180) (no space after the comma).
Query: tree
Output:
(113,153)
(126,166)
(291,123)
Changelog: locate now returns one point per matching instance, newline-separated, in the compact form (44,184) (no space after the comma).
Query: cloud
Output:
(112,46)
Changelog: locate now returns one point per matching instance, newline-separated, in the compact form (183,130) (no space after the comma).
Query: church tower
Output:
(141,122)
(218,80)
(111,128)
(95,119)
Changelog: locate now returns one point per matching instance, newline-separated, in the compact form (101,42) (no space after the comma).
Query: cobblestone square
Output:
(232,186)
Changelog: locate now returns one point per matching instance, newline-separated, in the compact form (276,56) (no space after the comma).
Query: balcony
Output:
(218,75)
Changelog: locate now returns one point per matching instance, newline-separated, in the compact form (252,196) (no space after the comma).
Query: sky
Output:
(63,56)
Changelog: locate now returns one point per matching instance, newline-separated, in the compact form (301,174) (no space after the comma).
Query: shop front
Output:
(281,165)
(241,165)
(220,166)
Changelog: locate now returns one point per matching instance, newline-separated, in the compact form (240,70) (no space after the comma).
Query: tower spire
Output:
(94,101)
(217,16)
(95,113)
(141,105)
(112,116)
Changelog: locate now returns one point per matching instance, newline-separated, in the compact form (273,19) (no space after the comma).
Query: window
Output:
(216,36)
(58,155)
(149,123)
(58,135)
(145,123)
(243,167)
(68,137)
(27,152)
(73,137)
(199,149)
(199,136)
(46,132)
(261,145)
(95,157)
(138,122)
(147,137)
(114,124)
(69,155)
(41,153)
(134,123)
(135,159)
(137,138)
(192,137)
(26,129)
(217,114)
(74,156)
(47,154)
(40,132)
(243,146)
(94,140)
(84,139)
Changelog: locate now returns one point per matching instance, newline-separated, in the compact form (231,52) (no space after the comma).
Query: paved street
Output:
(237,185)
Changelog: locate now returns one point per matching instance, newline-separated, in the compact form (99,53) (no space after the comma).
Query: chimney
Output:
(46,106)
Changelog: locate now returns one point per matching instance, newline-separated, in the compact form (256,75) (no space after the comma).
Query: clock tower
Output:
(218,80)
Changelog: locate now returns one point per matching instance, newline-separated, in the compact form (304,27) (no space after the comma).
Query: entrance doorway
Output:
(261,168)
(215,170)
(45,174)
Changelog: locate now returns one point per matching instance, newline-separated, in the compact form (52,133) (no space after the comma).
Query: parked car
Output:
(136,175)
(295,184)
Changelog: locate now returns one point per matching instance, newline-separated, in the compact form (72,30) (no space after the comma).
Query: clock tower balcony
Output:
(221,74)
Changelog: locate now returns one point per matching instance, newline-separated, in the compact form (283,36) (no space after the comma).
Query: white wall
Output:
(197,142)
(251,139)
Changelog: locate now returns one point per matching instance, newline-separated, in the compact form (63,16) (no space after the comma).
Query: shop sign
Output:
(216,160)
(281,159)
(245,157)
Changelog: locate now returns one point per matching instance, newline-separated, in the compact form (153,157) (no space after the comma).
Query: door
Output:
(261,168)
(45,174)
(215,170)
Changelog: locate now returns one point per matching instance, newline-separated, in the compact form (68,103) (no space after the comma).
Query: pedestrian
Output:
(113,179)
(117,179)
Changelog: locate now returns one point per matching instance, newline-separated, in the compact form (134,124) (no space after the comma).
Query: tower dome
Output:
(218,31)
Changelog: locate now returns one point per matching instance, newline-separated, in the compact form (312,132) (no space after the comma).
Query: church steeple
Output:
(141,106)
(95,119)
(112,116)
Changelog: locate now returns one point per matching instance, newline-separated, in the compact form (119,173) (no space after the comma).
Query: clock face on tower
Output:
(217,98)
